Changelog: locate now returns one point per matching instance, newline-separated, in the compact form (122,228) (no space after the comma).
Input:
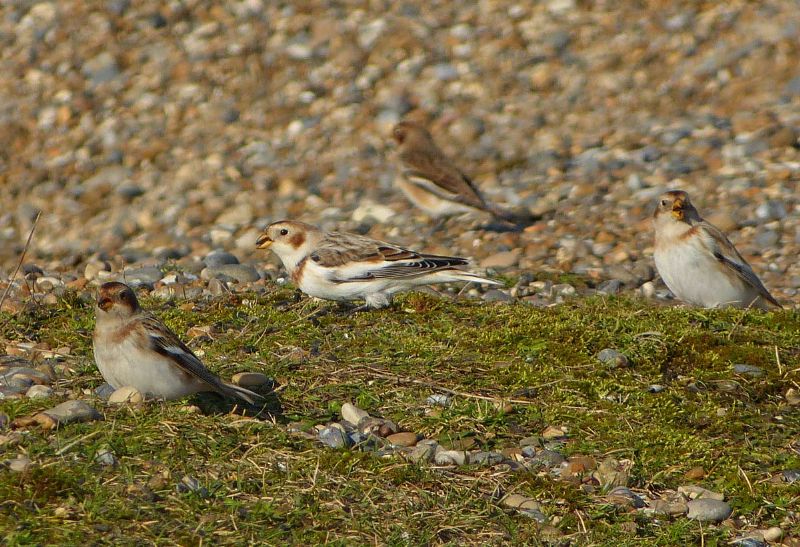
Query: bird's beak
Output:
(104,303)
(677,208)
(263,242)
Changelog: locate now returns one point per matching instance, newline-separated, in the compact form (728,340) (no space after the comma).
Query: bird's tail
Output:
(447,276)
(237,392)
(519,217)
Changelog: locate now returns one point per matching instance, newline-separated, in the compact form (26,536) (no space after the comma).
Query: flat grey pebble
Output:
(105,456)
(73,411)
(748,370)
(708,510)
(791,475)
(496,295)
(243,273)
(656,388)
(149,275)
(218,258)
(104,391)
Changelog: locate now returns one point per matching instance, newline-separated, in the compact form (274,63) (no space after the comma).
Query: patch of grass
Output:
(261,483)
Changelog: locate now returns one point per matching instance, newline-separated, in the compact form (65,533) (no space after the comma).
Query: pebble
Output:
(708,510)
(551,432)
(66,413)
(250,379)
(335,437)
(501,260)
(20,464)
(126,395)
(423,451)
(242,273)
(791,475)
(137,277)
(450,457)
(622,495)
(106,457)
(438,399)
(496,295)
(104,390)
(352,414)
(748,370)
(548,458)
(218,258)
(486,458)
(39,392)
(613,358)
(403,439)
(518,501)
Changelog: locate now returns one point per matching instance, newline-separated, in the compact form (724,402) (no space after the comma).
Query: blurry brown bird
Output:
(432,182)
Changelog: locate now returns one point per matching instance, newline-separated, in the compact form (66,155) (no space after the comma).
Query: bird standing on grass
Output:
(698,263)
(344,267)
(133,348)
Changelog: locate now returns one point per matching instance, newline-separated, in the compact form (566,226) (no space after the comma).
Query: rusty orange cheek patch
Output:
(297,239)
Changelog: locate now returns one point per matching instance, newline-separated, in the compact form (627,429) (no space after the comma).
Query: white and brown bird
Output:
(345,267)
(133,348)
(698,263)
(432,182)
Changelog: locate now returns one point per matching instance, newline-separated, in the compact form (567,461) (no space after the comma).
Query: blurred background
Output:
(151,133)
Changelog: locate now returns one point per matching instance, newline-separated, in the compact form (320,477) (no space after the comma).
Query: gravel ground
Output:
(150,134)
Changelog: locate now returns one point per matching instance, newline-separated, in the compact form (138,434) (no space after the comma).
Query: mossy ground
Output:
(267,485)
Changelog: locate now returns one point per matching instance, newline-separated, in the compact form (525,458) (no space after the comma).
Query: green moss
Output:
(267,485)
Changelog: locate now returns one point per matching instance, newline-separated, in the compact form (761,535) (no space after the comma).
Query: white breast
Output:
(695,276)
(125,364)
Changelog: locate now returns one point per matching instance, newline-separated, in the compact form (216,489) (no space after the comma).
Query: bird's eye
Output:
(665,203)
(284,231)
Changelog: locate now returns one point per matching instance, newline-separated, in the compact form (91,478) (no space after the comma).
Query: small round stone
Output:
(126,394)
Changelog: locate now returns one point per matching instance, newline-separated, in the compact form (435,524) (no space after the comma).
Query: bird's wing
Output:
(163,341)
(728,256)
(356,258)
(437,174)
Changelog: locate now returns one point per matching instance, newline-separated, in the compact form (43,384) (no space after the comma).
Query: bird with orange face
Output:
(133,348)
(698,263)
(342,266)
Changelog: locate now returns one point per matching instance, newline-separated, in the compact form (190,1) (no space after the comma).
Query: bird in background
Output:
(345,267)
(432,182)
(134,348)
(698,263)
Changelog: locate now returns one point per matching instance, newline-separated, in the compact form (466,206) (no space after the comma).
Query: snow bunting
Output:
(341,266)
(432,182)
(698,263)
(133,348)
